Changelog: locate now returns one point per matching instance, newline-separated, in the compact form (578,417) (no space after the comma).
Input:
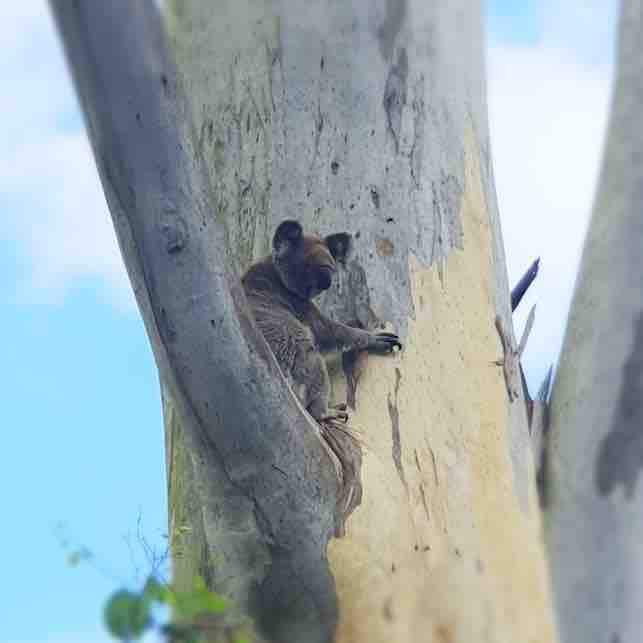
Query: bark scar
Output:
(395,96)
(620,455)
(394,414)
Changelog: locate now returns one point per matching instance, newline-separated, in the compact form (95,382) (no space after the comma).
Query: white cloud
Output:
(49,186)
(584,27)
(548,109)
(64,225)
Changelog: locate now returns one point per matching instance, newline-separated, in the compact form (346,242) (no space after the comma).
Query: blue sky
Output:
(83,435)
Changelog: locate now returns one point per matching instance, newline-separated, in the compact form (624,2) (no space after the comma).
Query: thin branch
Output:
(526,332)
(523,285)
(545,387)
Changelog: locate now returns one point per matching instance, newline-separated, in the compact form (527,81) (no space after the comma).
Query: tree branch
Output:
(522,286)
(208,351)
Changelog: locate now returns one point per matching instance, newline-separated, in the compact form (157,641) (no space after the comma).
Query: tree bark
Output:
(595,452)
(266,487)
(370,117)
(367,117)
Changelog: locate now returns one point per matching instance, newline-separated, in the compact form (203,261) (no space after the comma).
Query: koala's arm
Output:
(332,335)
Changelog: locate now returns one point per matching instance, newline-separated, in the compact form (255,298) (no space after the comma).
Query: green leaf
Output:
(154,591)
(127,615)
(74,558)
(198,601)
(199,584)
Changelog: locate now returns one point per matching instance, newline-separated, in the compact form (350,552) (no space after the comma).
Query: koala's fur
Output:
(280,289)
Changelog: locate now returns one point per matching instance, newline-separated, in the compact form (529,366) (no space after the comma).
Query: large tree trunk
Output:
(371,118)
(367,117)
(594,497)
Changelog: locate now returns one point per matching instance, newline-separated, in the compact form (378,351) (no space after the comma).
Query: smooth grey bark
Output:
(594,515)
(368,117)
(264,469)
(349,117)
(345,116)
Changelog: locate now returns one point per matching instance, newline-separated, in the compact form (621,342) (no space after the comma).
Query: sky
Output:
(83,443)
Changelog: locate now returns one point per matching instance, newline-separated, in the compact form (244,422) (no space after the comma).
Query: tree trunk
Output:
(367,117)
(371,118)
(594,520)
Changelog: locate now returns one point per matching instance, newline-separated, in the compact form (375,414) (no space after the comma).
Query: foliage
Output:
(195,615)
(129,615)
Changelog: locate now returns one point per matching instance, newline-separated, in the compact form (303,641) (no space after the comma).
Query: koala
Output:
(280,289)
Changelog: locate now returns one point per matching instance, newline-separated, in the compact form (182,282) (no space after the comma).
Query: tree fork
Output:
(270,476)
(370,118)
(367,117)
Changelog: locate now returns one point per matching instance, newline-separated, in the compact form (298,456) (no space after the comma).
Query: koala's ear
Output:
(339,245)
(287,236)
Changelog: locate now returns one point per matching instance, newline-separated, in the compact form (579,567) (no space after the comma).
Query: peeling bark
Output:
(374,123)
(365,117)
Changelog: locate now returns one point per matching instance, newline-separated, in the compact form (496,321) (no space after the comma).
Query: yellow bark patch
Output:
(441,549)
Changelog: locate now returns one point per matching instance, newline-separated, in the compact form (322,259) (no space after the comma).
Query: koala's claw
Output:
(336,416)
(386,342)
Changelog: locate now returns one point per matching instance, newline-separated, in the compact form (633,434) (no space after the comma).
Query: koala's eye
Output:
(324,278)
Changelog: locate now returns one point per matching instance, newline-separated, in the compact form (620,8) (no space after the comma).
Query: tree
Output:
(365,117)
(593,516)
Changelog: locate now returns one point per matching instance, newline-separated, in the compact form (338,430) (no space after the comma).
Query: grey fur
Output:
(280,289)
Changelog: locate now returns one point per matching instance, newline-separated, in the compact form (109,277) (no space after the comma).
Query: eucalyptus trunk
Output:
(370,118)
(595,454)
(366,117)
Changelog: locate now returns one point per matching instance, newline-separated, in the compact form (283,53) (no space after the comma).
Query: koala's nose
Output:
(324,279)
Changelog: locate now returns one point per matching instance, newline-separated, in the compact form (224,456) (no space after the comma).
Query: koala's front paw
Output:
(384,342)
(337,413)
